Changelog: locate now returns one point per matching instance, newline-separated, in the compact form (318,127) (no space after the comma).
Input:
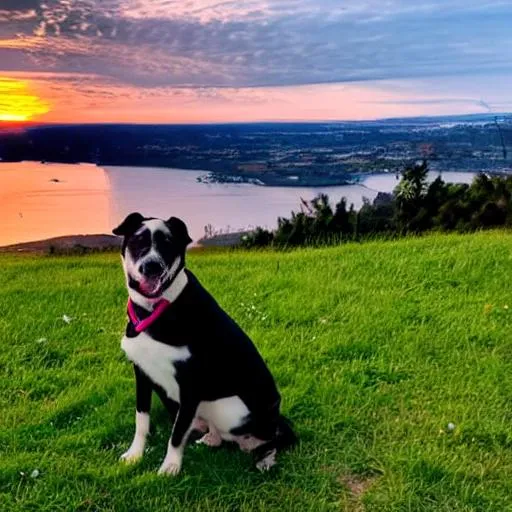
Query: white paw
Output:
(169,468)
(132,456)
(266,463)
(172,461)
(211,439)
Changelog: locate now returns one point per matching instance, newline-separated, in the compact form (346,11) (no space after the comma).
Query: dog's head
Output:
(153,252)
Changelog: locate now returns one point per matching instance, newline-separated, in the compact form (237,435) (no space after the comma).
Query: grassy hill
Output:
(377,348)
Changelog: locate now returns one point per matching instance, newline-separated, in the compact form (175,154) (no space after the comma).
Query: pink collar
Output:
(142,325)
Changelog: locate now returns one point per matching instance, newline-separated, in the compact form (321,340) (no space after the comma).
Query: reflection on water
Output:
(33,207)
(388,182)
(165,192)
(88,199)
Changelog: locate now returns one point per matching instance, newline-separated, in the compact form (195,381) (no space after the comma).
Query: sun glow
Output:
(17,103)
(13,117)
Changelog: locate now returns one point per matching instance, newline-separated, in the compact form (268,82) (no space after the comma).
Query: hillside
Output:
(376,347)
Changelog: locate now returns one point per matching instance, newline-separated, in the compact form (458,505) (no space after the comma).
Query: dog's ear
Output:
(179,230)
(129,225)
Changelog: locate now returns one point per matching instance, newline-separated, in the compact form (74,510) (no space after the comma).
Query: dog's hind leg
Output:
(268,461)
(283,439)
(200,425)
(143,398)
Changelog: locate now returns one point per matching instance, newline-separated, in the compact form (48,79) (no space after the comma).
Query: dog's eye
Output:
(138,241)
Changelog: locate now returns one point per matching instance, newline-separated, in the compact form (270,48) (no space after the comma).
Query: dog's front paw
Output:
(169,468)
(132,456)
(172,462)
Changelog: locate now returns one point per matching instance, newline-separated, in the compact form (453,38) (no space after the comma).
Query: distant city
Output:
(277,154)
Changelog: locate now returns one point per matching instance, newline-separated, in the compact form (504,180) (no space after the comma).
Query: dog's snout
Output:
(151,269)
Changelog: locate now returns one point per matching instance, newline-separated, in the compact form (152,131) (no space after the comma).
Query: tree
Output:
(409,195)
(414,207)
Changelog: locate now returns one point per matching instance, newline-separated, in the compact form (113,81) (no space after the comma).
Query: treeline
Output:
(414,207)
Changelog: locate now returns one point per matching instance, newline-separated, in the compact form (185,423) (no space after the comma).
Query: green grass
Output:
(375,347)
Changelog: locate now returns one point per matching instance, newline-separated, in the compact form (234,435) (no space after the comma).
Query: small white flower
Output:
(66,319)
(450,427)
(41,340)
(34,473)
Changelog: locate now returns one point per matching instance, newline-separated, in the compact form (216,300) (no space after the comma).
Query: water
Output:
(87,199)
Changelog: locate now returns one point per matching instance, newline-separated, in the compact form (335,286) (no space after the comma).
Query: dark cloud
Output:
(155,43)
(19,5)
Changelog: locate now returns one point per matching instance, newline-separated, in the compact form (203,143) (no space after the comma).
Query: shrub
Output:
(413,208)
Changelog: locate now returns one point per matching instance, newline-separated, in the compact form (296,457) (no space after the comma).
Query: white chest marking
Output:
(156,360)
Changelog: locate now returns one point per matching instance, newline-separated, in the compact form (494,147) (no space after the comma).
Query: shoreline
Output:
(65,244)
(85,244)
(95,239)
(269,178)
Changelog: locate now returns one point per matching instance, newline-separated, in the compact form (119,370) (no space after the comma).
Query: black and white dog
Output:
(185,347)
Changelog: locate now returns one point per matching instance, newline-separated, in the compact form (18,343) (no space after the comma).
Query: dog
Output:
(186,348)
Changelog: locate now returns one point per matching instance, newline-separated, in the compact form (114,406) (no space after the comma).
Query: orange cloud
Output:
(80,98)
(17,103)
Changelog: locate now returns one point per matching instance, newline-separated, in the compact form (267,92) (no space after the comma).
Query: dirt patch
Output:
(357,486)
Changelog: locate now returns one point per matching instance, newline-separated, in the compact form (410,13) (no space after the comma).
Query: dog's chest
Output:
(157,360)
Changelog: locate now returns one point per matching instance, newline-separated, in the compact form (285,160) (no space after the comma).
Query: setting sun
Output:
(17,103)
(13,117)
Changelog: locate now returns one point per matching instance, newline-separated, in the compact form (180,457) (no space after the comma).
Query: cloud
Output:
(76,97)
(19,5)
(171,56)
(436,101)
(212,43)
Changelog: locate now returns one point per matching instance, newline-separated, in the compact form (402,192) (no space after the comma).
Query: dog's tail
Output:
(285,439)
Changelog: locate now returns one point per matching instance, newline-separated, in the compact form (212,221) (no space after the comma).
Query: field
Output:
(394,360)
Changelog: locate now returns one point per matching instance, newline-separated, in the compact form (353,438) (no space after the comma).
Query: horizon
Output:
(211,62)
(36,124)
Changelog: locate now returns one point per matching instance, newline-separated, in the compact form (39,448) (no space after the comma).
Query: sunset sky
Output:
(171,61)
